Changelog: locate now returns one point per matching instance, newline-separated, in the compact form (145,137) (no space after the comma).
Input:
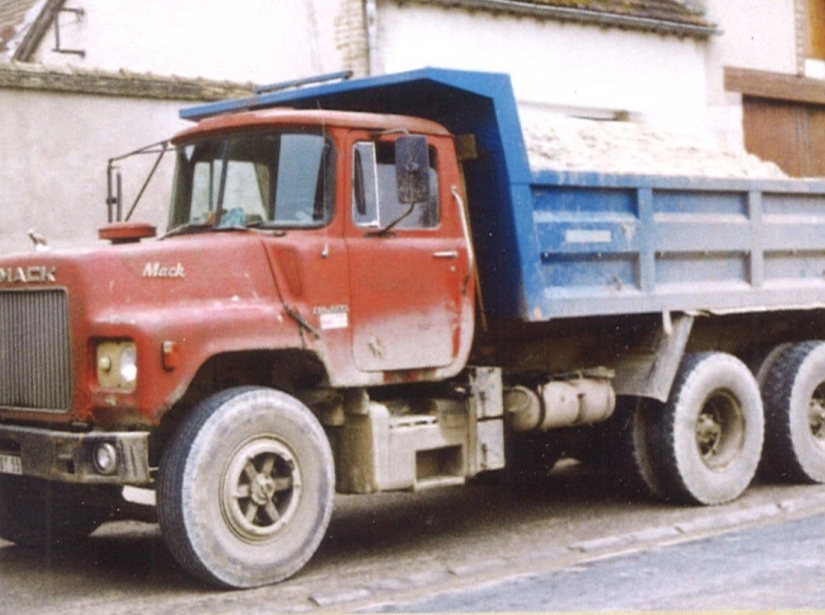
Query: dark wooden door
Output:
(791,134)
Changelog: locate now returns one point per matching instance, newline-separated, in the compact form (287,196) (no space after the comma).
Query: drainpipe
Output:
(800,14)
(371,24)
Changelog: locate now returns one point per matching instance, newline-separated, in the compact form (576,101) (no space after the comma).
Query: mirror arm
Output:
(148,179)
(387,230)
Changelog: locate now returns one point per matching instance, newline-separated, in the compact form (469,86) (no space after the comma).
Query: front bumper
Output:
(70,457)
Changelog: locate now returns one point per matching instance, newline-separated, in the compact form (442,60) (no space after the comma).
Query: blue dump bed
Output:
(554,245)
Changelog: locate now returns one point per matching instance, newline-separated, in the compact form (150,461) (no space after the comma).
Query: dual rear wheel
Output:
(703,445)
(794,393)
(721,423)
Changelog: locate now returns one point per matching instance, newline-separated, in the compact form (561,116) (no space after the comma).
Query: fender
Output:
(652,368)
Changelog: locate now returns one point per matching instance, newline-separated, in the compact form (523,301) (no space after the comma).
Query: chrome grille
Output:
(35,351)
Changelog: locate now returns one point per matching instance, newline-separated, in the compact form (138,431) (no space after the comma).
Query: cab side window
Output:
(375,202)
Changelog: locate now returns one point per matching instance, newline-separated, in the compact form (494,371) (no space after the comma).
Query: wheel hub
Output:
(720,428)
(708,433)
(816,415)
(261,488)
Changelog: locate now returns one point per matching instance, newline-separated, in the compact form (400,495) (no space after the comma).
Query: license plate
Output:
(10,464)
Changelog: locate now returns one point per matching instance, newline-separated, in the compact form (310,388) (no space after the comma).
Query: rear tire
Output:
(246,487)
(704,446)
(642,471)
(794,392)
(620,447)
(764,363)
(39,513)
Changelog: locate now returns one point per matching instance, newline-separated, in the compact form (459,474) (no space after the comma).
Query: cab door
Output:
(409,267)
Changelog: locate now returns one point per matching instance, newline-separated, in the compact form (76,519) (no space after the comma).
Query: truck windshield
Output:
(272,180)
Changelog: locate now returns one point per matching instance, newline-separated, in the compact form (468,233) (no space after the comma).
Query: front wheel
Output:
(246,488)
(704,446)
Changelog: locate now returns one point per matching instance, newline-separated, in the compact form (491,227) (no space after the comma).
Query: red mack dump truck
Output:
(364,287)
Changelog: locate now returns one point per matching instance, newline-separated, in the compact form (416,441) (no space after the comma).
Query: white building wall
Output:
(579,69)
(660,80)
(54,163)
(262,41)
(756,35)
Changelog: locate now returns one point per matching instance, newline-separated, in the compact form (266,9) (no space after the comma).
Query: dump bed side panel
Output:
(621,244)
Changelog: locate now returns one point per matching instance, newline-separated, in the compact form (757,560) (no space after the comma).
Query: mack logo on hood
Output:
(156,270)
(28,275)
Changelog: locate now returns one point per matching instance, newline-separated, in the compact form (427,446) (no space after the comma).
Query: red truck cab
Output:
(356,271)
(309,255)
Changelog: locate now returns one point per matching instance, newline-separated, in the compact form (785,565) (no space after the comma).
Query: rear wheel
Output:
(794,392)
(37,513)
(642,471)
(765,361)
(620,446)
(705,444)
(246,488)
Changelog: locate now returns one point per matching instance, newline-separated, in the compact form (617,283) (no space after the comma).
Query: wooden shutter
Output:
(815,40)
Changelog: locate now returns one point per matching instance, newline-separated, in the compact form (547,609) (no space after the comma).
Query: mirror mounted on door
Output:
(412,169)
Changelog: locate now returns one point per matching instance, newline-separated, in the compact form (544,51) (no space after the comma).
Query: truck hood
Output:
(110,282)
(207,294)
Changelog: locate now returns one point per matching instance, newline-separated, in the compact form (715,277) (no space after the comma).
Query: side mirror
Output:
(412,169)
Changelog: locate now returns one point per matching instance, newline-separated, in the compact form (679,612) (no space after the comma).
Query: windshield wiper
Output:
(273,228)
(189,227)
(200,227)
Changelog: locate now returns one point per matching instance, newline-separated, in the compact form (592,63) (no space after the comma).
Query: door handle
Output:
(446,254)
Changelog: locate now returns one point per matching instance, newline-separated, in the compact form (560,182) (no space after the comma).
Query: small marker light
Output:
(171,356)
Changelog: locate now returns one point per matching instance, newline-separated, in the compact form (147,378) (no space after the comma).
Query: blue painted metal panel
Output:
(678,243)
(554,245)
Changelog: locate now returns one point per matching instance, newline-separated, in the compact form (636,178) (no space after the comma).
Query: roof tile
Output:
(668,16)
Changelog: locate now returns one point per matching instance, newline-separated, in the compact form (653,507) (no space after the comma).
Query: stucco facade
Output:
(263,41)
(584,70)
(756,35)
(54,163)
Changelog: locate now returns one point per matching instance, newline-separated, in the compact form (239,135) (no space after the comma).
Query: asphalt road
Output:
(778,566)
(396,551)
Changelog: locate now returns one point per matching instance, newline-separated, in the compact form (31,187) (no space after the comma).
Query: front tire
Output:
(705,446)
(246,488)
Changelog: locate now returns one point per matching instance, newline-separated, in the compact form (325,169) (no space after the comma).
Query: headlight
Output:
(128,364)
(117,365)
